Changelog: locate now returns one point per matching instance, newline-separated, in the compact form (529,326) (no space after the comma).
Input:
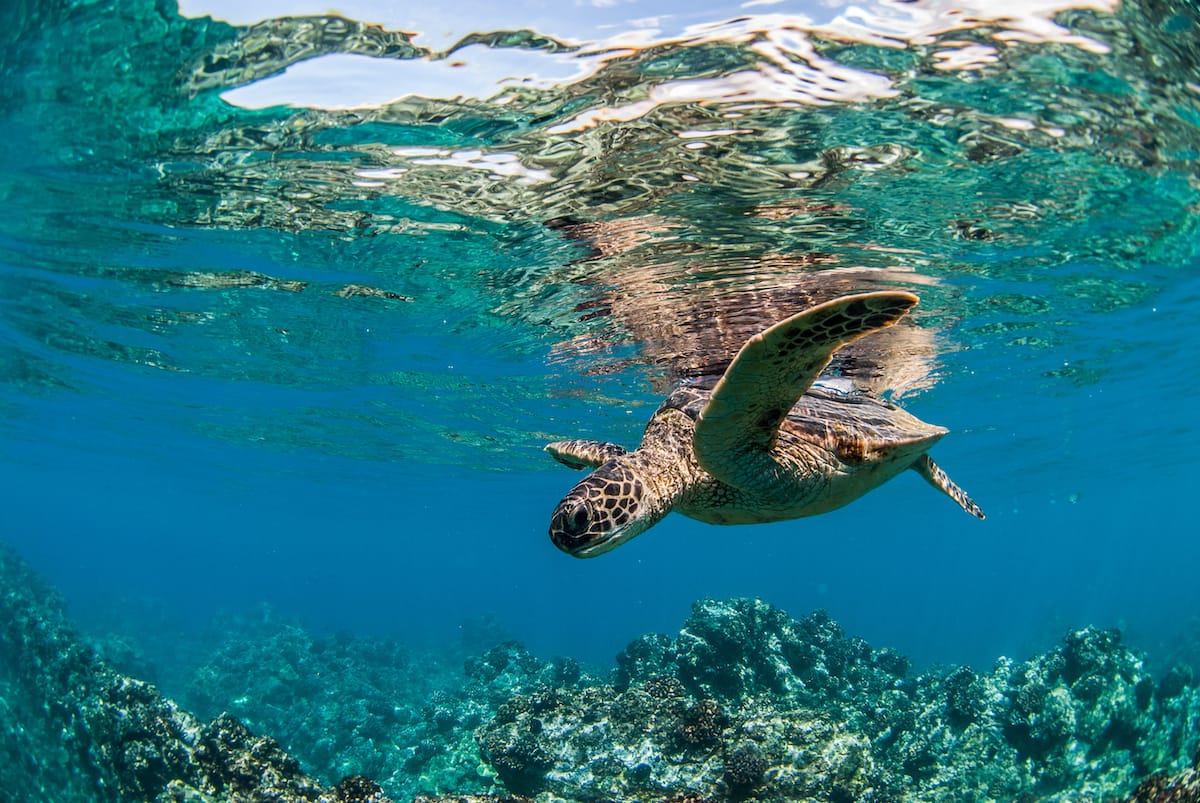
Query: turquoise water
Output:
(555,223)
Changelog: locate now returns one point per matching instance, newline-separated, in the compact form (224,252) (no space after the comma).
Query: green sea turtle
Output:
(768,441)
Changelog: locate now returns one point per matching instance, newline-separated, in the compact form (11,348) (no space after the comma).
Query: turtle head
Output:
(606,509)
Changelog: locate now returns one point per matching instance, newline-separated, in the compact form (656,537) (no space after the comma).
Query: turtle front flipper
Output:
(738,426)
(583,454)
(939,479)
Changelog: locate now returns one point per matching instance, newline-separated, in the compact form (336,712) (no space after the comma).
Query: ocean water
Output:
(290,304)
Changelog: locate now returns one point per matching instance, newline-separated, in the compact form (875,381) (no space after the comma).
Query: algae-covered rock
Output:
(744,704)
(346,706)
(358,706)
(1183,787)
(474,798)
(75,729)
(747,703)
(597,741)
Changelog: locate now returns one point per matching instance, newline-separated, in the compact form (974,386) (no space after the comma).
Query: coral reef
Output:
(74,729)
(747,703)
(404,718)
(473,799)
(744,704)
(1183,787)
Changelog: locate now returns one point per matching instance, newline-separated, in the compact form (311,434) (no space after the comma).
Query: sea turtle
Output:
(769,441)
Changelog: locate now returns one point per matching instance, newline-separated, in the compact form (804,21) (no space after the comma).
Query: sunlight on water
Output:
(613,188)
(299,196)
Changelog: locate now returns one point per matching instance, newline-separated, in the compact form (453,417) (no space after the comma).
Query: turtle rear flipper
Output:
(584,454)
(939,479)
(738,426)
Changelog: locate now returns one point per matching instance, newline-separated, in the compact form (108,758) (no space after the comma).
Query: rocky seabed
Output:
(745,703)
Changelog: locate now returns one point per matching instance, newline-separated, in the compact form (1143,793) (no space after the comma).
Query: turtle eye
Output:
(569,526)
(578,520)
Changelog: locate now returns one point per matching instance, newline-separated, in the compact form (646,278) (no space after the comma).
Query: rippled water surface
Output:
(289,304)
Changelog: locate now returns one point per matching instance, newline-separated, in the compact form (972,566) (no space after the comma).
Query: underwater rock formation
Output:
(473,799)
(747,703)
(358,706)
(743,704)
(1183,787)
(74,729)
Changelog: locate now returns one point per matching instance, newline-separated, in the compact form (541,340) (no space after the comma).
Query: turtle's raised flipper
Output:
(738,426)
(583,454)
(933,473)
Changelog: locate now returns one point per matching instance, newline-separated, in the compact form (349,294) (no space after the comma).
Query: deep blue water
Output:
(373,465)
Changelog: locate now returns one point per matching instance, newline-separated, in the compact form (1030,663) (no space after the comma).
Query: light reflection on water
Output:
(560,51)
(614,195)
